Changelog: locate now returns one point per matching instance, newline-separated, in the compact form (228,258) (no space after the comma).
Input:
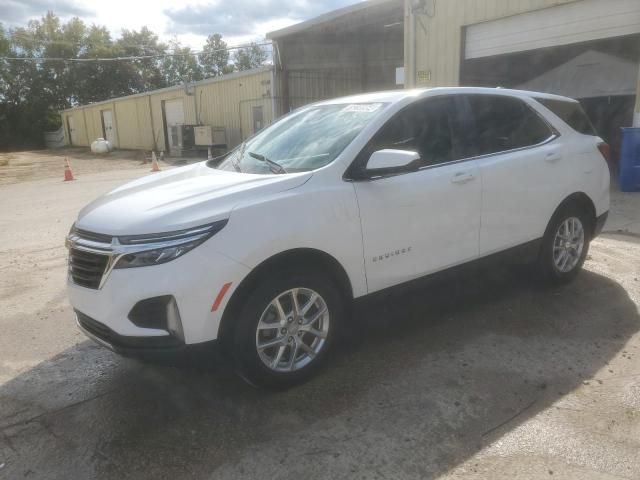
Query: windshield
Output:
(305,140)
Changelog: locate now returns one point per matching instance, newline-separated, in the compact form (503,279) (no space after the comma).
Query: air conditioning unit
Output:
(209,136)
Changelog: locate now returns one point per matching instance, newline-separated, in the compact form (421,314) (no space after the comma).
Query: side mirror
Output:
(391,162)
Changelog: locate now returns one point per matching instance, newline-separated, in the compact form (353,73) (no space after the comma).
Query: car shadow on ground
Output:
(425,379)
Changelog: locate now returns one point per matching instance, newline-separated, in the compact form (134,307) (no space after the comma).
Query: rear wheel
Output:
(565,245)
(287,326)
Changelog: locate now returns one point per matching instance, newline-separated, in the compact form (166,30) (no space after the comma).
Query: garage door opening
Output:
(108,130)
(173,120)
(588,50)
(602,74)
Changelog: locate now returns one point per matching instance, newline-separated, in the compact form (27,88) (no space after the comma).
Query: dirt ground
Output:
(25,166)
(485,376)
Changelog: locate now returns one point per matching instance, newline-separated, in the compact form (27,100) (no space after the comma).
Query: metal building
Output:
(447,41)
(382,44)
(355,49)
(510,43)
(386,44)
(235,106)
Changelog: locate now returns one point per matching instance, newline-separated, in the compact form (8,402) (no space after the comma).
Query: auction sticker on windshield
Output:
(362,107)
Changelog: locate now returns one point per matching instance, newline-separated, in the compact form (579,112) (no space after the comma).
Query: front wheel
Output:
(286,328)
(565,245)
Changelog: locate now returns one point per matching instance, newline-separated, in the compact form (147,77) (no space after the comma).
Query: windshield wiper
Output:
(274,166)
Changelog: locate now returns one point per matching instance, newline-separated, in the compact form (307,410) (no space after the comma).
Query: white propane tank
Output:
(101,146)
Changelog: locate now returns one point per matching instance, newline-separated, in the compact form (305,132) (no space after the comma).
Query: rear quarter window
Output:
(504,123)
(571,113)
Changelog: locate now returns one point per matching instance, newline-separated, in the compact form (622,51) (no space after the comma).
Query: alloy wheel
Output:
(568,245)
(292,330)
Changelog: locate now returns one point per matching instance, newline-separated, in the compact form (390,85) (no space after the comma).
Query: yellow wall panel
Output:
(438,39)
(127,123)
(94,123)
(80,131)
(138,120)
(228,104)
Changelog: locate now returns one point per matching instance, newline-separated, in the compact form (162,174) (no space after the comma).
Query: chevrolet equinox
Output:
(264,249)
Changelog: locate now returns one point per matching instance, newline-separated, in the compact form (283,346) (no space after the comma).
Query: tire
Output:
(272,367)
(564,249)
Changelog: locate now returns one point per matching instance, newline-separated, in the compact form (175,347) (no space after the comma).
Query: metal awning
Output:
(589,75)
(330,18)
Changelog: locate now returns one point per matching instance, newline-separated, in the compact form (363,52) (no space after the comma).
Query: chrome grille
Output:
(87,268)
(94,237)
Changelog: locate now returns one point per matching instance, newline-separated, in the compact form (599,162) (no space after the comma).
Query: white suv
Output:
(265,249)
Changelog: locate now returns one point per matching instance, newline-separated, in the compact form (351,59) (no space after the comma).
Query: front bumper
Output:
(193,280)
(126,345)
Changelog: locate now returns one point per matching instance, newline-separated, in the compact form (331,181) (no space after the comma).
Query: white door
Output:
(174,116)
(107,125)
(521,165)
(174,112)
(73,133)
(427,220)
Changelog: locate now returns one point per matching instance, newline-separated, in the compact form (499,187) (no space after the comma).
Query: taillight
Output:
(605,150)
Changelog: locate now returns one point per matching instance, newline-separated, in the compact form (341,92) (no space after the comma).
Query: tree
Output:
(32,92)
(144,74)
(182,67)
(5,79)
(94,81)
(250,57)
(5,51)
(215,57)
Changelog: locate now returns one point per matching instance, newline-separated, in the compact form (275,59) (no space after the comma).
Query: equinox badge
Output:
(388,255)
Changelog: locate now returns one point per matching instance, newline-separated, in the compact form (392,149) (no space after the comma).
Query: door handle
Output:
(462,177)
(552,157)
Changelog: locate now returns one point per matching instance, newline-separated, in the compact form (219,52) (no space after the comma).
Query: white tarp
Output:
(54,139)
(591,74)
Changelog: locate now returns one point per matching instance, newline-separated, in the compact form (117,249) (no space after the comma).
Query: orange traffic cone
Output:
(68,174)
(155,166)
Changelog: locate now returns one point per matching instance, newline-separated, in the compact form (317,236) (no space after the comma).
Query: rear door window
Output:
(571,113)
(503,123)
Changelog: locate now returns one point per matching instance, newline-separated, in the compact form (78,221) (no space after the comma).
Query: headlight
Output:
(155,257)
(155,249)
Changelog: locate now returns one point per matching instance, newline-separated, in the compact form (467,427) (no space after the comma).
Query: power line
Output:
(132,57)
(31,38)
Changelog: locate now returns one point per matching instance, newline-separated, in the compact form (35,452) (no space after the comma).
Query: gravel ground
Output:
(481,376)
(19,167)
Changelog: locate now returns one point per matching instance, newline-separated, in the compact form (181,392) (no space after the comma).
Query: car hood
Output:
(179,198)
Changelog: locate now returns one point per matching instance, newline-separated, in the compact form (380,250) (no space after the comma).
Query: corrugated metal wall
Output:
(94,122)
(132,123)
(79,136)
(438,39)
(354,52)
(307,85)
(138,119)
(229,104)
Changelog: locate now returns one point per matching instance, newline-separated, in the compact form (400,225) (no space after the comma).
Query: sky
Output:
(190,21)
